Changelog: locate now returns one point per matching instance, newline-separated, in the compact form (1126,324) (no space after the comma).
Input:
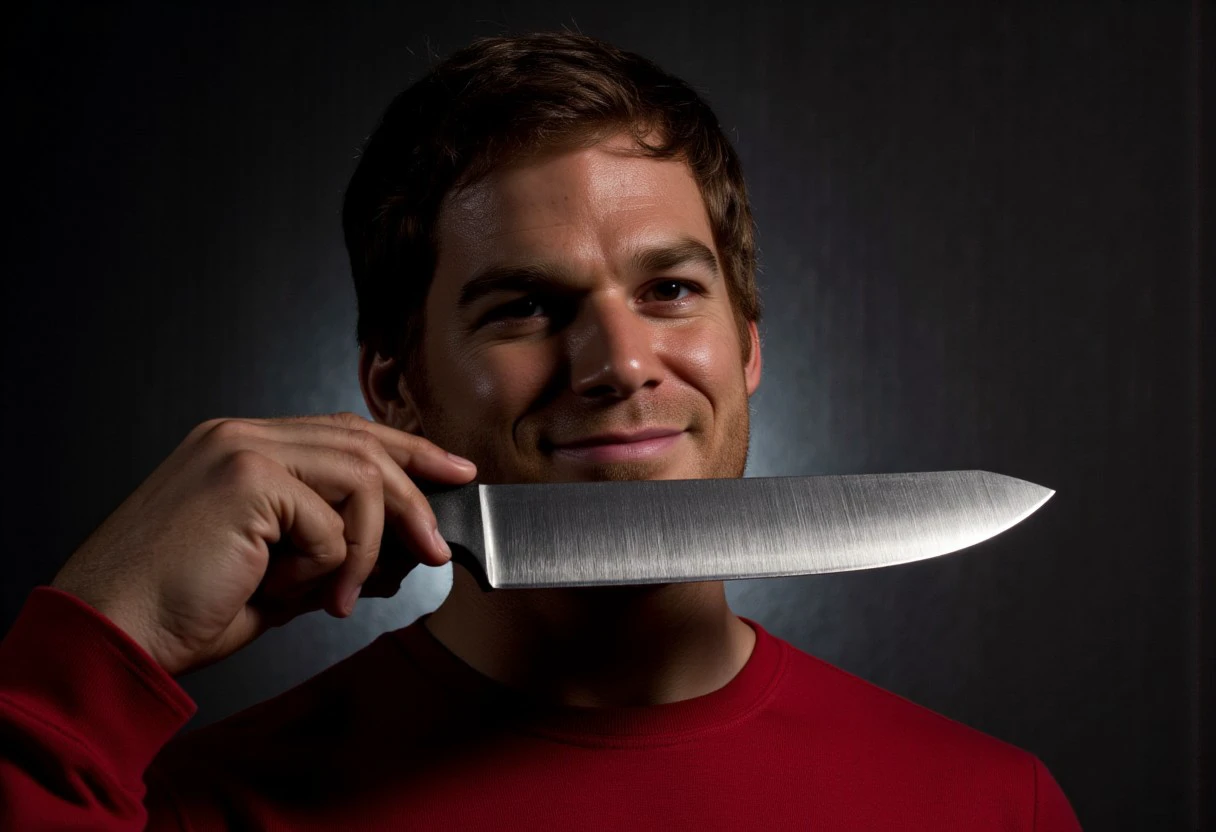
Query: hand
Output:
(252,522)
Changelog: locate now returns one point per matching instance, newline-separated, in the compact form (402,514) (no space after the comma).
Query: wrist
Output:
(123,617)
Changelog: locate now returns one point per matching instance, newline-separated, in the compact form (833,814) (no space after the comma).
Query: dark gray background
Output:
(979,238)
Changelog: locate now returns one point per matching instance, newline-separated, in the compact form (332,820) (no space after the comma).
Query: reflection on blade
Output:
(660,531)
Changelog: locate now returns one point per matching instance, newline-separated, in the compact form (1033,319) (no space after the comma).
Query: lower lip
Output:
(620,451)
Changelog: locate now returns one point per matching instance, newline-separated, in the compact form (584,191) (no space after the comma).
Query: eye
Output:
(522,308)
(665,287)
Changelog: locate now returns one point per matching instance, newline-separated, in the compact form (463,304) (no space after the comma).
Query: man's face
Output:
(608,348)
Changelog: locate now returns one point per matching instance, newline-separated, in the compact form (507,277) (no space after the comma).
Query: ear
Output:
(751,370)
(385,393)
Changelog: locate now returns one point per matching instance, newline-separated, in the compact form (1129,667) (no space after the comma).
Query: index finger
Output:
(413,453)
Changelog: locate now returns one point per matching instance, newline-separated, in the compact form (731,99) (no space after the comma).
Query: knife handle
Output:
(458,510)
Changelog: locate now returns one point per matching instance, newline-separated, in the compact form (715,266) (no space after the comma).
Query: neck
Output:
(597,646)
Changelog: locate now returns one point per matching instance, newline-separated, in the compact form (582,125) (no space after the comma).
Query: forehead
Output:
(576,207)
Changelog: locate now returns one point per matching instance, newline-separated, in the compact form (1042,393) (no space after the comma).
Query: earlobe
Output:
(385,393)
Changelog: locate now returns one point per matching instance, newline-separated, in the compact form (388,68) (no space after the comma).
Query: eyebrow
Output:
(529,277)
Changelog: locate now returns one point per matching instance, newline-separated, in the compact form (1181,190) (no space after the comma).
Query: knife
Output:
(669,531)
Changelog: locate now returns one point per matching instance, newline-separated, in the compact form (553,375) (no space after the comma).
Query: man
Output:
(554,261)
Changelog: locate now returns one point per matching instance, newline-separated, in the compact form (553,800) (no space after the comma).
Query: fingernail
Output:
(461,461)
(441,543)
(352,598)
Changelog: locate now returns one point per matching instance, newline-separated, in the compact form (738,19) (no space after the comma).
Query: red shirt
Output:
(404,735)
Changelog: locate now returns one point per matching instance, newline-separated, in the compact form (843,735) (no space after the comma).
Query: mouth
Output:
(648,447)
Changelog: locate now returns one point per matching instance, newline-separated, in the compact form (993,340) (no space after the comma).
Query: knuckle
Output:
(204,429)
(427,446)
(368,472)
(364,444)
(206,426)
(228,431)
(350,419)
(245,465)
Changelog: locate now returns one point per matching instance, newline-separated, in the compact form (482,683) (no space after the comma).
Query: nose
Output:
(612,350)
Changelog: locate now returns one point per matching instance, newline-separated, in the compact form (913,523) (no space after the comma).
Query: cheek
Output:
(706,359)
(501,380)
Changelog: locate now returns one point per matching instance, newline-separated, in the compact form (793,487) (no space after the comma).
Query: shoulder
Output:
(882,723)
(877,745)
(894,759)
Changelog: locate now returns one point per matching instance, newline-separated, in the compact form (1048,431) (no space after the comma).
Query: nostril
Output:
(602,392)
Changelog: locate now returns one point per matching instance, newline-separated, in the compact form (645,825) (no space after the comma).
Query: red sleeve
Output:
(83,711)
(1052,812)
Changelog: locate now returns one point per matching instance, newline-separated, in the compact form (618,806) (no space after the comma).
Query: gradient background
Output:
(980,248)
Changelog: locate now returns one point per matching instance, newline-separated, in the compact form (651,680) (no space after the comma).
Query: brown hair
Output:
(501,99)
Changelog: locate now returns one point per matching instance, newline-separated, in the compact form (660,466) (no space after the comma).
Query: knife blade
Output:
(668,531)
